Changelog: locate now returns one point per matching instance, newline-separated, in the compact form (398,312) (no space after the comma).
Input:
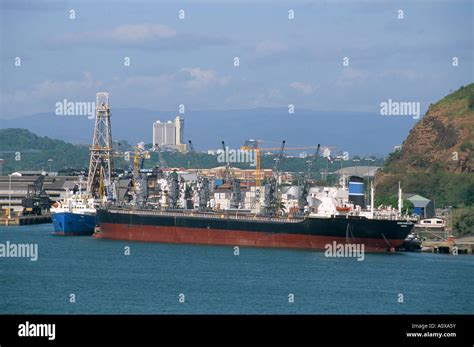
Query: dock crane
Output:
(306,180)
(227,176)
(203,189)
(191,146)
(161,159)
(279,158)
(271,188)
(258,150)
(36,200)
(310,161)
(193,154)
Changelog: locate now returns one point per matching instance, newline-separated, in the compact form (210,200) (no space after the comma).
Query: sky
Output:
(190,61)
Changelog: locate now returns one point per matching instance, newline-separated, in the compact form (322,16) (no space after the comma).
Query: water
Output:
(213,280)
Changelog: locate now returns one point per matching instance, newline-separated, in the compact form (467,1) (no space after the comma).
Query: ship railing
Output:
(206,215)
(392,217)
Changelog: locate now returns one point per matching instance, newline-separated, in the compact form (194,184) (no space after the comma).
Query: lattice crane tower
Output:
(101,156)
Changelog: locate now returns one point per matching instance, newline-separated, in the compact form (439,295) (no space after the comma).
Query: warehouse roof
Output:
(417,200)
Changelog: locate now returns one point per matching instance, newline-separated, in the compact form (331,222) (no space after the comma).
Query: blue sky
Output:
(190,61)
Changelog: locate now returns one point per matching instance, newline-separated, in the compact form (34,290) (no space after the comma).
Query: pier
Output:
(449,246)
(25,220)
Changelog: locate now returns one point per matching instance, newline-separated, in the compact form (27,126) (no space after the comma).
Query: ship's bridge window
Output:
(427,222)
(439,222)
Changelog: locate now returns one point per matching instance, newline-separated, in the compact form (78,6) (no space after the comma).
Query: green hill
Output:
(437,157)
(22,150)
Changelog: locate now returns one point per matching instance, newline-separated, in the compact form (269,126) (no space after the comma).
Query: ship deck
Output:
(247,217)
(209,215)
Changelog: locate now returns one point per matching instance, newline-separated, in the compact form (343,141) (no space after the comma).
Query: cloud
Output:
(269,98)
(31,6)
(351,76)
(151,85)
(43,95)
(138,32)
(150,89)
(402,74)
(268,47)
(144,35)
(50,87)
(187,78)
(305,88)
(199,78)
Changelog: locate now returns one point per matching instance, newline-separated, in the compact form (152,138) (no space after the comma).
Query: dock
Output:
(449,246)
(25,220)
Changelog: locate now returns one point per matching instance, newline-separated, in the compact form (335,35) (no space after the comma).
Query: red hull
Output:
(148,233)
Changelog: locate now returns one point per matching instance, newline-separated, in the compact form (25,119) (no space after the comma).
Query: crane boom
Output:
(194,161)
(279,158)
(227,173)
(161,159)
(310,162)
(191,146)
(223,145)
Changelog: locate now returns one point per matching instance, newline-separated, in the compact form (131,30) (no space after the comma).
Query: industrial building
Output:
(422,206)
(14,189)
(361,170)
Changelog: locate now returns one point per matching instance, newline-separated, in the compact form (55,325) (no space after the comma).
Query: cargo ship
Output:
(312,232)
(339,215)
(159,207)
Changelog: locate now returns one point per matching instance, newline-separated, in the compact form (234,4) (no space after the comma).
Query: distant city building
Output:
(169,135)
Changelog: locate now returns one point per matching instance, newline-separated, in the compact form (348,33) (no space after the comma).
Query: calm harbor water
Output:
(214,280)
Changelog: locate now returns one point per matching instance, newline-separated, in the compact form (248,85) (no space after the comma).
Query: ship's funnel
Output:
(356,191)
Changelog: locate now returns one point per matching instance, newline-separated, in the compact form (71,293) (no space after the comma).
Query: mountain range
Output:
(355,132)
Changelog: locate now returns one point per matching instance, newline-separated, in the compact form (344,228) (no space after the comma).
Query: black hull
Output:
(215,229)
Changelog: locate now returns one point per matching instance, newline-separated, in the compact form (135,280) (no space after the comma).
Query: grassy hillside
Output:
(437,158)
(22,150)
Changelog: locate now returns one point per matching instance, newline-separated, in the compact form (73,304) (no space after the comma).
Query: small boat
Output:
(412,243)
(75,215)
